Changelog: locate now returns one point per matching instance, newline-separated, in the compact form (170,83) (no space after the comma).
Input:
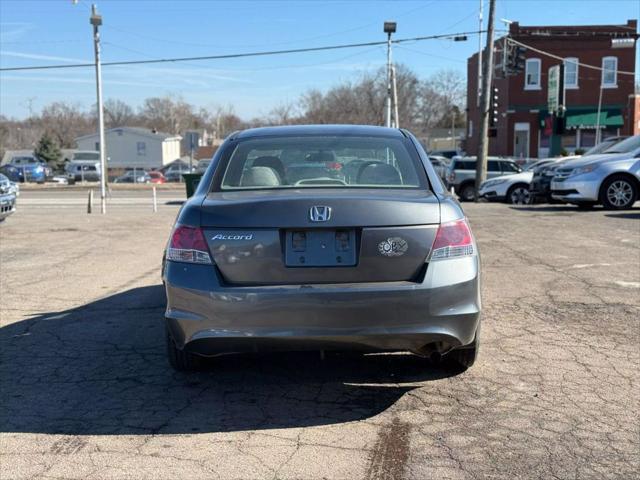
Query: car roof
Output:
(329,130)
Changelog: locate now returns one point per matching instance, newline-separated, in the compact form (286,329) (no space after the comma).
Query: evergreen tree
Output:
(48,150)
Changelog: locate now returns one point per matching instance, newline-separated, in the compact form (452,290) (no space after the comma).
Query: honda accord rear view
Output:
(321,238)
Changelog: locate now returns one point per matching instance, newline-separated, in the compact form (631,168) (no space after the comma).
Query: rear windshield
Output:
(318,161)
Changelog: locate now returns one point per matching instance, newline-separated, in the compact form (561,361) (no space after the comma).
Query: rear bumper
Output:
(209,318)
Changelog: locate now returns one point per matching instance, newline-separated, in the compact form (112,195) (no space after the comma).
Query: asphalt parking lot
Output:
(86,392)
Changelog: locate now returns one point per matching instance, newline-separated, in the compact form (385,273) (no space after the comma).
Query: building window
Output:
(97,146)
(571,73)
(142,149)
(470,133)
(532,74)
(609,72)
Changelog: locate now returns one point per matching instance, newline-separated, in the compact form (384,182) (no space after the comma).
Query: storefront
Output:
(580,129)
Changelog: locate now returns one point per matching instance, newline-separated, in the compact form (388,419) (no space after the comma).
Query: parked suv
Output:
(83,171)
(461,174)
(611,179)
(26,168)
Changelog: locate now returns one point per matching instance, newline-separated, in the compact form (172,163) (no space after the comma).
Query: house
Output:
(443,139)
(129,147)
(205,152)
(523,126)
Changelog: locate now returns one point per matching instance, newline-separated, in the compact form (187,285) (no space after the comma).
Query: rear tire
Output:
(519,195)
(618,192)
(467,192)
(180,360)
(465,357)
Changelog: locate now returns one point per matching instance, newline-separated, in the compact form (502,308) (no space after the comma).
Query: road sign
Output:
(555,90)
(192,139)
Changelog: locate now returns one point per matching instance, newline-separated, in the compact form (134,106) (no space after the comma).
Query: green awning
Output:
(590,119)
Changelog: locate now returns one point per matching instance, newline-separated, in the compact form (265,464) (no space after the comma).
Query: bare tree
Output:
(167,114)
(65,122)
(118,113)
(283,114)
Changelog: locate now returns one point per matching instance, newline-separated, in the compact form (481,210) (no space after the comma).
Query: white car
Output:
(513,189)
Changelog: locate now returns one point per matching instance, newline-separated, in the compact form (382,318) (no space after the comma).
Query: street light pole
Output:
(483,150)
(396,120)
(389,28)
(96,21)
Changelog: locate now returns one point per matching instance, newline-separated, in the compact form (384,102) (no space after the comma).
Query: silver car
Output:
(321,238)
(611,179)
(7,197)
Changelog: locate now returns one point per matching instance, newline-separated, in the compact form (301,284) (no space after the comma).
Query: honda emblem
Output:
(319,213)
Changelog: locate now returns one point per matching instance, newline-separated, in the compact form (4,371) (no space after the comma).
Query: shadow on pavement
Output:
(550,208)
(628,215)
(101,369)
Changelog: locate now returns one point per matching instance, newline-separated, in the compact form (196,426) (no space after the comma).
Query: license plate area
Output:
(320,248)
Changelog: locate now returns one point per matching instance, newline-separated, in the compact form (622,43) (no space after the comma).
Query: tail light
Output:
(453,240)
(188,245)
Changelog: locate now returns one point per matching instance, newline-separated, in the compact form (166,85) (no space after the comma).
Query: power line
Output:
(248,54)
(557,57)
(275,67)
(426,54)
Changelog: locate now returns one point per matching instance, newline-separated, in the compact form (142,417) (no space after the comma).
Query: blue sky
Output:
(57,31)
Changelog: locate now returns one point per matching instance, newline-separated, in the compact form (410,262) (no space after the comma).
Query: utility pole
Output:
(598,132)
(389,28)
(96,21)
(481,161)
(479,52)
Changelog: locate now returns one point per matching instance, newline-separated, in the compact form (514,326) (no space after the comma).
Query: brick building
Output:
(522,129)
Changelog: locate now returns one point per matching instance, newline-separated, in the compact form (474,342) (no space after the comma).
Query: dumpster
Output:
(191,181)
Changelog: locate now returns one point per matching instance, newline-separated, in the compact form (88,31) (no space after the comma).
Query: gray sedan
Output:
(321,238)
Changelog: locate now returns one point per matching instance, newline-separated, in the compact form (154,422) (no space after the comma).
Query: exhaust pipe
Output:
(433,351)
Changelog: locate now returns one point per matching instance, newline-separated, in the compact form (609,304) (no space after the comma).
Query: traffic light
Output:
(519,58)
(493,112)
(515,59)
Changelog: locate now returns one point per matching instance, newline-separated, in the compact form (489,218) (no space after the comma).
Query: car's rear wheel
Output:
(519,195)
(618,192)
(465,356)
(467,192)
(180,360)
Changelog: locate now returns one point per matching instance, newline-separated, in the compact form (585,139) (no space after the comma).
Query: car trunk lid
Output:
(369,235)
